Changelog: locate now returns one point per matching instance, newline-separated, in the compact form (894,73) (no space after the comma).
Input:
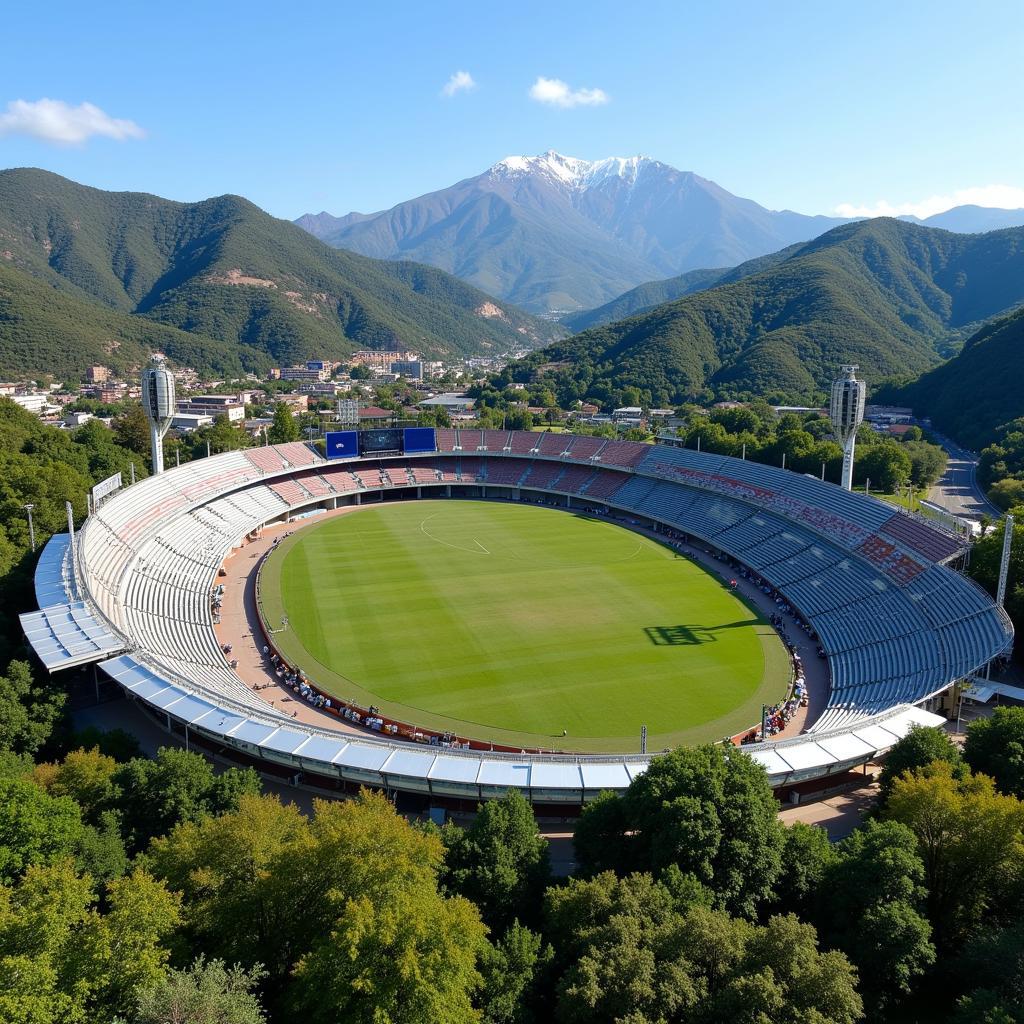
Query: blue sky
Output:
(304,107)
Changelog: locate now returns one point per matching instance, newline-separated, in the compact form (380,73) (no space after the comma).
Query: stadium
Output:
(454,613)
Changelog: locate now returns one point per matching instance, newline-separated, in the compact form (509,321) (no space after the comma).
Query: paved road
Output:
(958,490)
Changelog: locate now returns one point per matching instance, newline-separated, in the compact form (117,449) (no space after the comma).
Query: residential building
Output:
(411,369)
(374,416)
(305,373)
(97,374)
(186,422)
(453,401)
(213,405)
(380,360)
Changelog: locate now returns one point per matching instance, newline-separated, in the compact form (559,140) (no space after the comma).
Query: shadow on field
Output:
(685,636)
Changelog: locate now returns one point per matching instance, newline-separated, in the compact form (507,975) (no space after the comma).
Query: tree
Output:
(969,838)
(991,966)
(919,748)
(1007,493)
(710,811)
(807,855)
(35,828)
(284,428)
(244,902)
(394,948)
(176,786)
(131,429)
(511,970)
(27,711)
(886,465)
(87,776)
(87,965)
(995,747)
(927,461)
(869,906)
(635,954)
(500,862)
(208,992)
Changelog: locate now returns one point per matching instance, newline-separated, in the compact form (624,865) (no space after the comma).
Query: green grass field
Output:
(511,622)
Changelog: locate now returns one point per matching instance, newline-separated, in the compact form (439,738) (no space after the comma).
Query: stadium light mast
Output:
(158,404)
(846,412)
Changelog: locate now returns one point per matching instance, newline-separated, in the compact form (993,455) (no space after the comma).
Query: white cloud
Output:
(57,121)
(461,81)
(1006,197)
(557,93)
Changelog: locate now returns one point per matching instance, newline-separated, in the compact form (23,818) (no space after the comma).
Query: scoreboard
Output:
(349,444)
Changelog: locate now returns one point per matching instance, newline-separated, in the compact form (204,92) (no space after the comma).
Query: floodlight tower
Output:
(158,403)
(847,413)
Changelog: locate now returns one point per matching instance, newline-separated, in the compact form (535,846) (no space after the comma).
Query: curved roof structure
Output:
(897,624)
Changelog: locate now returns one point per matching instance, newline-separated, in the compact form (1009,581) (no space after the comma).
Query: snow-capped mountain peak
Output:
(570,171)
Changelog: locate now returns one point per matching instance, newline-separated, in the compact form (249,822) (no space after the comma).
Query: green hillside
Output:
(44,330)
(890,296)
(223,269)
(977,392)
(655,293)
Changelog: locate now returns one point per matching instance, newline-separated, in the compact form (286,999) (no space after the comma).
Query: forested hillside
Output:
(46,330)
(224,270)
(655,293)
(890,296)
(979,390)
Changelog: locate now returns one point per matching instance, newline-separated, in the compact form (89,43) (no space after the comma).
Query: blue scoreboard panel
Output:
(342,444)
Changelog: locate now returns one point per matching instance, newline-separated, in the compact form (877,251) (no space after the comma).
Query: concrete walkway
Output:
(838,815)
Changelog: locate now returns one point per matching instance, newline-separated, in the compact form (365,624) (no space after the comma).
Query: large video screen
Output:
(420,439)
(342,444)
(371,441)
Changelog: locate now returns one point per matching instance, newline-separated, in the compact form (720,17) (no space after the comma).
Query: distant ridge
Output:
(556,232)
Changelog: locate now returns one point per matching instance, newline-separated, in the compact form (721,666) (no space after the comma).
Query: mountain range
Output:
(91,276)
(890,296)
(553,232)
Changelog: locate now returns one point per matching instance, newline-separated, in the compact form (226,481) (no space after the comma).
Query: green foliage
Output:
(28,711)
(969,838)
(513,969)
(995,747)
(918,749)
(208,992)
(807,855)
(284,428)
(870,906)
(976,393)
(177,786)
(707,810)
(986,558)
(63,961)
(406,952)
(244,901)
(633,953)
(499,862)
(992,967)
(35,828)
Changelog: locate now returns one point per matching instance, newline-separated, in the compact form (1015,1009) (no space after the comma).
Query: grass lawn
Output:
(511,622)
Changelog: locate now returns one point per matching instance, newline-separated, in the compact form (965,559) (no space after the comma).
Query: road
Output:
(958,491)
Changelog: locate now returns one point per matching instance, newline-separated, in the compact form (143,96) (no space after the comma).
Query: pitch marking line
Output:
(480,549)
